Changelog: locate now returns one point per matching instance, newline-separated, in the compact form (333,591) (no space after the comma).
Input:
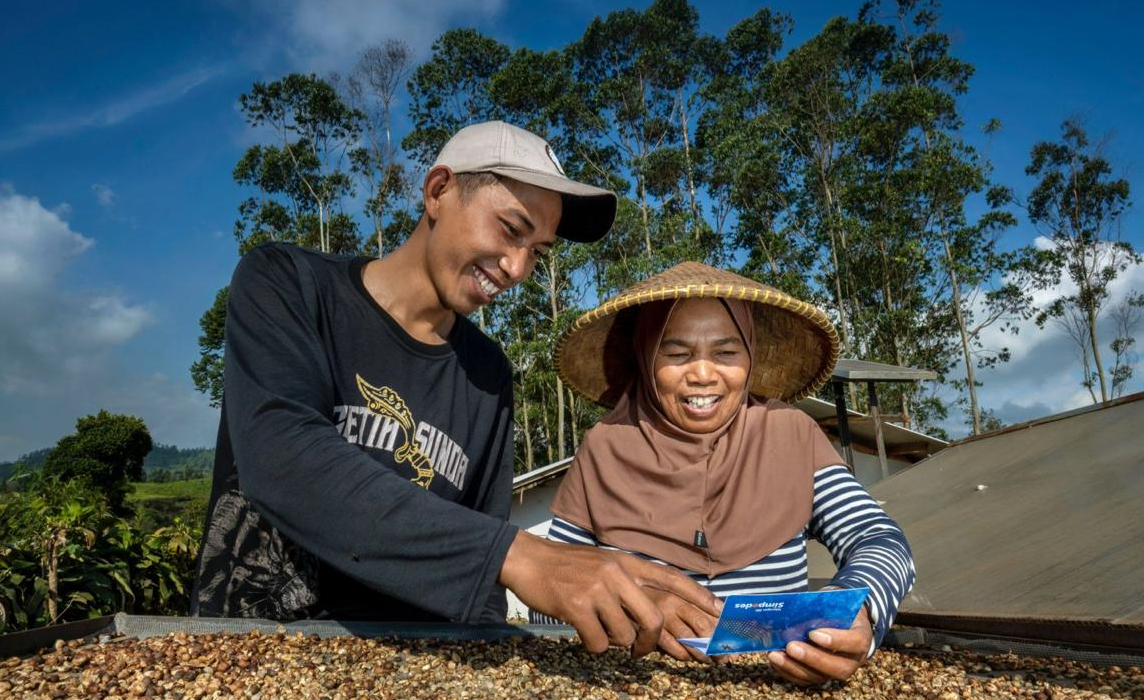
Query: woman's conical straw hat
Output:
(796,345)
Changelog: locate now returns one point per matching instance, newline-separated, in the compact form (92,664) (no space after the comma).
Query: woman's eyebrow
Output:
(731,339)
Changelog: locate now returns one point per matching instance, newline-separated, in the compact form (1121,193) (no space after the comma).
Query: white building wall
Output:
(531,513)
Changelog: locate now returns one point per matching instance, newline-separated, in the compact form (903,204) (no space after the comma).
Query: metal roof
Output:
(1040,521)
(848,370)
(536,477)
(902,443)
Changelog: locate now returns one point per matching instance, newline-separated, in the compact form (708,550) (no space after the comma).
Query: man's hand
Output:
(681,619)
(597,591)
(835,654)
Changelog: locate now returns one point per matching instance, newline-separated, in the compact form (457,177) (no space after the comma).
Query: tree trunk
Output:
(555,306)
(323,234)
(766,249)
(641,154)
(57,540)
(643,215)
(527,433)
(548,442)
(888,298)
(843,321)
(1091,314)
(970,377)
(687,167)
(561,450)
(572,419)
(388,165)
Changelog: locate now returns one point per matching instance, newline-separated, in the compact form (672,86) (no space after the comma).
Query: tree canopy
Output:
(105,453)
(839,170)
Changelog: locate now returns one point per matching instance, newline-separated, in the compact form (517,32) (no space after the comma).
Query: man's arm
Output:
(497,499)
(681,619)
(598,591)
(322,493)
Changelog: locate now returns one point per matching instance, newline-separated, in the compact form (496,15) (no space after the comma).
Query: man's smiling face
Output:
(488,240)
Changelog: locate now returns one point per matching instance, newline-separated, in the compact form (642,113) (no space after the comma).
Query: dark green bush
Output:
(65,555)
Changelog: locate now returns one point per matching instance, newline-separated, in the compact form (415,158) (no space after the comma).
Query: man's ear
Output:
(439,180)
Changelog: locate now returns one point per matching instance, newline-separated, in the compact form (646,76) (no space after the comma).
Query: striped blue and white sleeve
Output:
(562,531)
(867,545)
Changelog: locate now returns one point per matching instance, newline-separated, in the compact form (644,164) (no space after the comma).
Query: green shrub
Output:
(65,555)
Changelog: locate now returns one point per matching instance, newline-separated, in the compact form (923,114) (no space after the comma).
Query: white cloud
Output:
(1044,373)
(49,332)
(110,321)
(35,245)
(62,347)
(328,35)
(111,113)
(103,194)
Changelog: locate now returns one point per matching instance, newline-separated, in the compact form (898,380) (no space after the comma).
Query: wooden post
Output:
(876,415)
(843,424)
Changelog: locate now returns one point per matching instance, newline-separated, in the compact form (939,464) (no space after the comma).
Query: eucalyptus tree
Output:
(928,79)
(297,184)
(450,90)
(985,289)
(634,71)
(470,78)
(316,130)
(279,199)
(813,96)
(1077,205)
(743,165)
(916,177)
(371,88)
(1126,315)
(207,371)
(533,90)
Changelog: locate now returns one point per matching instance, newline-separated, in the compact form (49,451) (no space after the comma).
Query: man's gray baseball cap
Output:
(512,152)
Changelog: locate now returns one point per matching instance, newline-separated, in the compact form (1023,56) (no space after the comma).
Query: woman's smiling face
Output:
(701,366)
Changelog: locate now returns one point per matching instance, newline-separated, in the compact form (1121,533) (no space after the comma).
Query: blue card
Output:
(766,622)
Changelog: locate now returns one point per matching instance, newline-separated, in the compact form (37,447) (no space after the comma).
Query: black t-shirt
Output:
(360,473)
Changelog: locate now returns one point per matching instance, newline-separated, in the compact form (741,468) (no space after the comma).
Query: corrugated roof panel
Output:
(1042,521)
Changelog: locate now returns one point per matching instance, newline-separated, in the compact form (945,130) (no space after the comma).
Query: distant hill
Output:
(33,460)
(166,458)
(167,462)
(171,457)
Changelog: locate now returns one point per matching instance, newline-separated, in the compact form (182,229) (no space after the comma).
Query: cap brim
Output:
(588,212)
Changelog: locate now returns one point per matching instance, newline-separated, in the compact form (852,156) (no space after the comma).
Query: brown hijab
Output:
(641,483)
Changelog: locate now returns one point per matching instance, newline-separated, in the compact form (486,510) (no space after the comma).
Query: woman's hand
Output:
(680,619)
(835,654)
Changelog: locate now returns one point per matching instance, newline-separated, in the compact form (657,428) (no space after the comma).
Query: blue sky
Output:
(119,130)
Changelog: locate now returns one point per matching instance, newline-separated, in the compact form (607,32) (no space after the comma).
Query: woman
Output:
(702,466)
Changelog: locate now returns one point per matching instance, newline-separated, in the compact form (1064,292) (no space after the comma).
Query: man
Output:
(364,459)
